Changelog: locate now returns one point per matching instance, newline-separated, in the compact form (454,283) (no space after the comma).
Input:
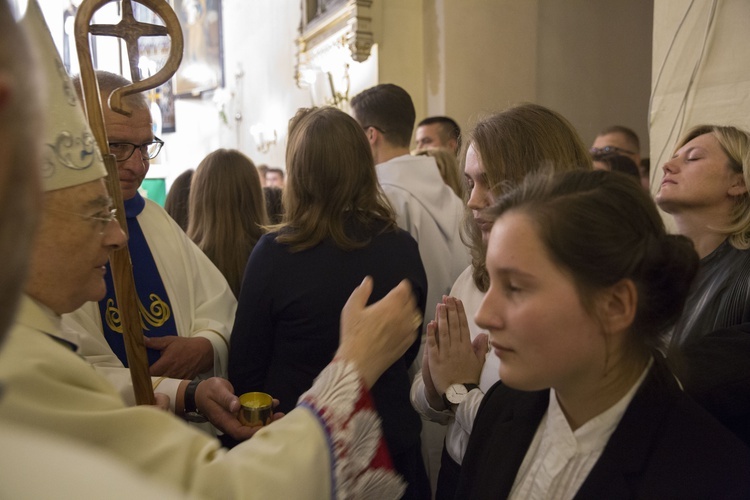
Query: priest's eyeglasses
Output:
(102,218)
(124,150)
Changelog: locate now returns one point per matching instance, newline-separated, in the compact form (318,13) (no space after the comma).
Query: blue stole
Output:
(157,319)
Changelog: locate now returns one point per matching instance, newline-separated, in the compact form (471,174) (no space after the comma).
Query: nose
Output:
(137,163)
(114,237)
(478,198)
(669,166)
(488,315)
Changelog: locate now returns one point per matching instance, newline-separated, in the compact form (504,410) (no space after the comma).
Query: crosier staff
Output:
(122,269)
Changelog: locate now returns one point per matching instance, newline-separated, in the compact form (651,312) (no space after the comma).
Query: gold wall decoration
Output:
(327,25)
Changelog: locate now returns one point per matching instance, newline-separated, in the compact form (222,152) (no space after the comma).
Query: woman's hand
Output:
(452,358)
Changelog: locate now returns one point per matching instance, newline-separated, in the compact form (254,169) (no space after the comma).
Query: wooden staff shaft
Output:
(121,265)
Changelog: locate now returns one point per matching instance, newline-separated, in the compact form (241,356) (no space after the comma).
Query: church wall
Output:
(589,60)
(594,63)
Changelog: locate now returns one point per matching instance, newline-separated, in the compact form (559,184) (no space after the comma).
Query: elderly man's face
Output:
(73,246)
(135,129)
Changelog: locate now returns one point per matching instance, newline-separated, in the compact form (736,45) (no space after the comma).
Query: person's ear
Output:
(618,305)
(372,135)
(738,187)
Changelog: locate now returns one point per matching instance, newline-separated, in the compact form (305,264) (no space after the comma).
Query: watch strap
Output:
(189,398)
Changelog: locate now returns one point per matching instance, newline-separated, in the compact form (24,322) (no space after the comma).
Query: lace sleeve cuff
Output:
(360,464)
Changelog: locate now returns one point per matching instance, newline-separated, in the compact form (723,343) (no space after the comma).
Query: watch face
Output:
(456,393)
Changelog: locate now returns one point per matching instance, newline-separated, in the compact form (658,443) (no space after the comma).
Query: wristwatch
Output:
(456,393)
(191,410)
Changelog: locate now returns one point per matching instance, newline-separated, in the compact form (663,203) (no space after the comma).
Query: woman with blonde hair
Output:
(337,228)
(227,212)
(498,154)
(705,189)
(448,166)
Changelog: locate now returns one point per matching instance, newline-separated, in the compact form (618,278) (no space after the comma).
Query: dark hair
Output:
(388,108)
(645,166)
(329,182)
(521,140)
(448,127)
(602,228)
(629,134)
(274,207)
(619,163)
(227,212)
(176,203)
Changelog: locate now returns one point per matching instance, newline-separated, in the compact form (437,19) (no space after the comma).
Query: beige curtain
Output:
(701,71)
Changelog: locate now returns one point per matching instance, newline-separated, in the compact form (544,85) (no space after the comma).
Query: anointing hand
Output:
(374,337)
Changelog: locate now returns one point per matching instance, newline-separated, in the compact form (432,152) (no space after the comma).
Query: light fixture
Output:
(264,137)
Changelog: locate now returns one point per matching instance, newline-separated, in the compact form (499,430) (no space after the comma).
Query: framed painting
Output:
(202,65)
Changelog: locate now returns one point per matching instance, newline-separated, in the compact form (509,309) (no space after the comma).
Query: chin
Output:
(520,382)
(130,190)
(663,202)
(97,293)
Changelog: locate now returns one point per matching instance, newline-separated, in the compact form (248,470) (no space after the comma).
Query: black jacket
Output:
(665,446)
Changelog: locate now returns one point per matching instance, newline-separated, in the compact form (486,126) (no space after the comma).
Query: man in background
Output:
(275,178)
(620,140)
(439,132)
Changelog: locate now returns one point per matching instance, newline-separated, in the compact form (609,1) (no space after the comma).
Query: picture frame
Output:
(202,67)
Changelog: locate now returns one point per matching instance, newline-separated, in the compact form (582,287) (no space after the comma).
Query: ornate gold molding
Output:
(328,23)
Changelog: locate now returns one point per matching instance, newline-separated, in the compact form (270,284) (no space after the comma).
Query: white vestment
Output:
(202,304)
(332,441)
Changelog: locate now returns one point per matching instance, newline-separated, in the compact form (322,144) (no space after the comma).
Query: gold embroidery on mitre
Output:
(156,315)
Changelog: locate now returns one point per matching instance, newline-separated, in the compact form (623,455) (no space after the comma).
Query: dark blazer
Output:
(715,372)
(665,446)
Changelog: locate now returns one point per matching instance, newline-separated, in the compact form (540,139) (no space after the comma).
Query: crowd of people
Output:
(493,313)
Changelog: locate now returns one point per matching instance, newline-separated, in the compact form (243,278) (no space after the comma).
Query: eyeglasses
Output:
(609,150)
(101,218)
(124,150)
